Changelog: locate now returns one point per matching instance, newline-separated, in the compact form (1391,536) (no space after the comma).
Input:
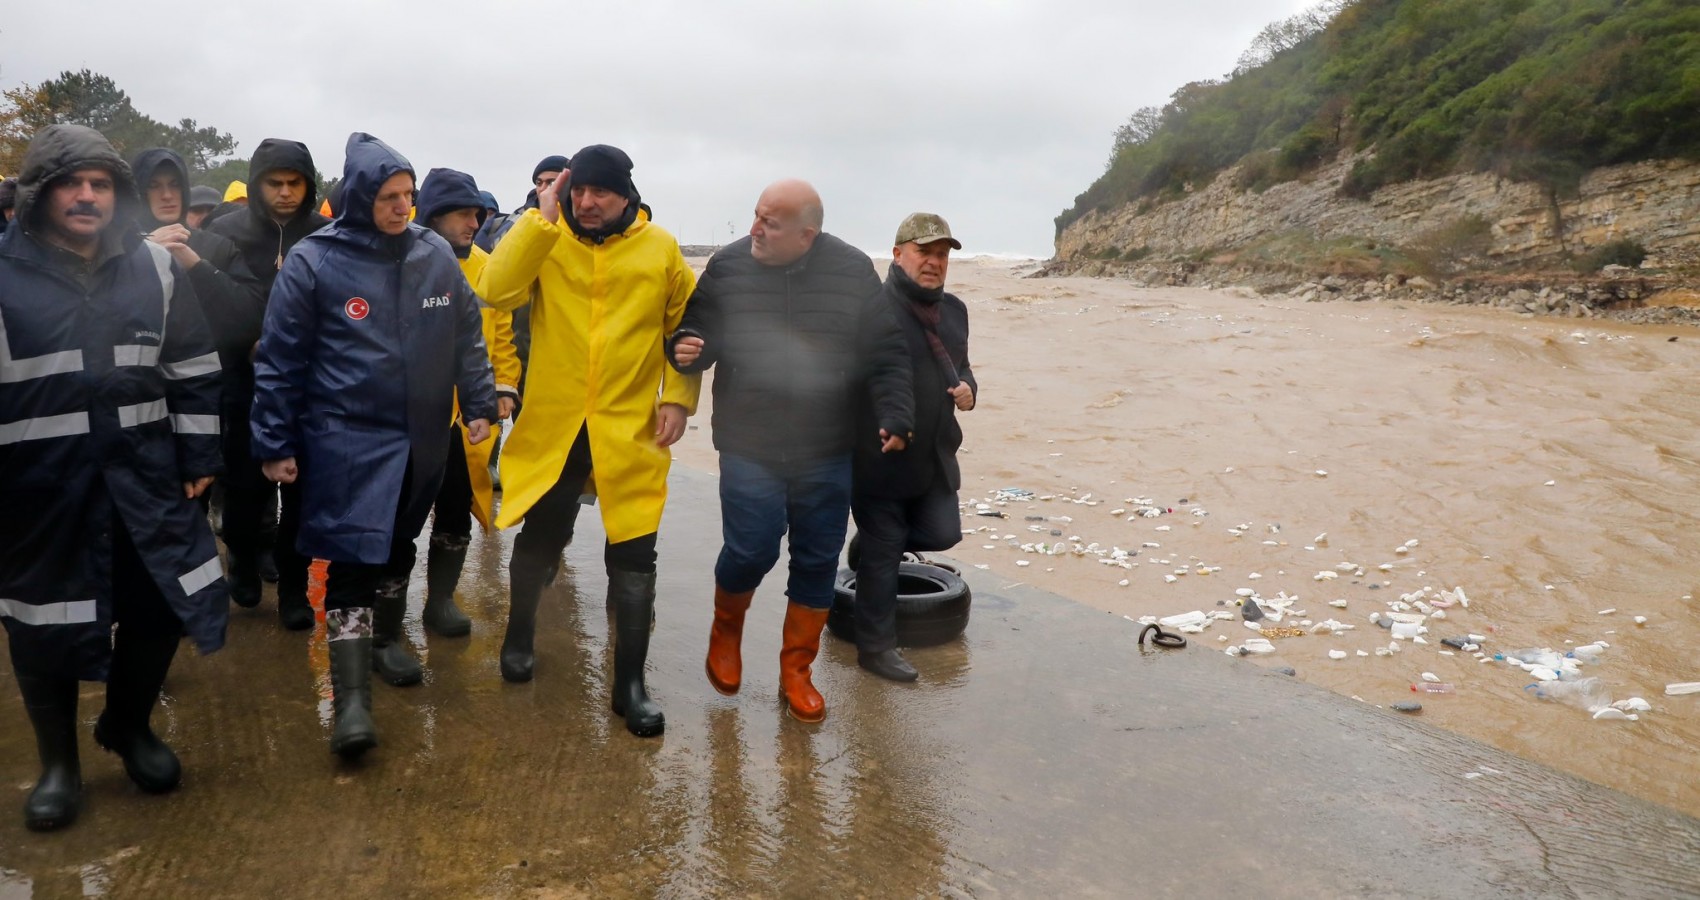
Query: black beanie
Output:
(600,165)
(549,164)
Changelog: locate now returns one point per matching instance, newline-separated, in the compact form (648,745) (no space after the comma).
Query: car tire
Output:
(933,605)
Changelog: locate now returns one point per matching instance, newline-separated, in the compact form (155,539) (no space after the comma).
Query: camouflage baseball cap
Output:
(924,228)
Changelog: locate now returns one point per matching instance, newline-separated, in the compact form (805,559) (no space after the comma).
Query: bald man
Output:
(794,319)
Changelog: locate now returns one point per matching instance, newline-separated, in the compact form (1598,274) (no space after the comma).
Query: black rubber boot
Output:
(244,578)
(351,697)
(632,594)
(526,578)
(390,658)
(139,664)
(267,565)
(293,611)
(442,573)
(888,664)
(52,707)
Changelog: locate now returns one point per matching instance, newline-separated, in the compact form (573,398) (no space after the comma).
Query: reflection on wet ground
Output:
(1044,755)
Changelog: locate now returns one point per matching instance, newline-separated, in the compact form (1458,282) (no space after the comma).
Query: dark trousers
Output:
(452,511)
(354,585)
(291,565)
(888,528)
(760,502)
(138,606)
(549,523)
(250,499)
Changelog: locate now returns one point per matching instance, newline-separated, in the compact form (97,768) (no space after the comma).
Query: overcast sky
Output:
(993,113)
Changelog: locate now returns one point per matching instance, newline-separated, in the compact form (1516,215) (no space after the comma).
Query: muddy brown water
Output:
(1045,754)
(1435,423)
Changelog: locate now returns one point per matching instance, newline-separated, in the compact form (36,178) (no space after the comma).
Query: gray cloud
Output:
(993,114)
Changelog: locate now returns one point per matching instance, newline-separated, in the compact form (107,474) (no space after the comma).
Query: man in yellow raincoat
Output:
(450,205)
(610,286)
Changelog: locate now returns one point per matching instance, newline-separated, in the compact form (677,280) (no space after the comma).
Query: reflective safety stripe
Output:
(141,413)
(194,424)
(13,371)
(135,355)
(189,368)
(67,425)
(167,281)
(74,612)
(201,576)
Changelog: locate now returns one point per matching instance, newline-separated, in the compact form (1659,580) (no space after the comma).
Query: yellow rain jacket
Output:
(504,358)
(597,360)
(237,190)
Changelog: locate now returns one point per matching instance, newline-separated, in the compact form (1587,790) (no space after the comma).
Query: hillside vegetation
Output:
(1534,90)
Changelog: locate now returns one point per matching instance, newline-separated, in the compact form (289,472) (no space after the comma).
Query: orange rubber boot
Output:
(803,627)
(725,639)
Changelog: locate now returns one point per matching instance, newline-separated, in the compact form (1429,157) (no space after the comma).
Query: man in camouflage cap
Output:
(907,501)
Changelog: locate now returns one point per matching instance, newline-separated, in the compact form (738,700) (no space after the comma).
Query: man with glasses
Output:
(370,332)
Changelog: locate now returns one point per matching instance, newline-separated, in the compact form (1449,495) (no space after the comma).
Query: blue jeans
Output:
(759,502)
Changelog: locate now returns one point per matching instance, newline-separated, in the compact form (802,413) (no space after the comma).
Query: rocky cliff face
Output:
(1656,203)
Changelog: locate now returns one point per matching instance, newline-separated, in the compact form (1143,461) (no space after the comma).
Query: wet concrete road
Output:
(1044,755)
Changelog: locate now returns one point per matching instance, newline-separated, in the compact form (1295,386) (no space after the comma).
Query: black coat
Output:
(263,243)
(231,298)
(932,449)
(794,348)
(109,387)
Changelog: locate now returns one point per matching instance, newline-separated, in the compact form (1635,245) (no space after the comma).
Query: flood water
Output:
(1549,467)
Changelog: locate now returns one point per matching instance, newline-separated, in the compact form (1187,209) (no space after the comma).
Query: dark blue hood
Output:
(367,164)
(446,190)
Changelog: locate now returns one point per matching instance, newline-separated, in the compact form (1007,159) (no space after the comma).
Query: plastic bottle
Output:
(1433,687)
(1583,693)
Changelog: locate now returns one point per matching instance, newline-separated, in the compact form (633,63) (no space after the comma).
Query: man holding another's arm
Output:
(605,286)
(793,321)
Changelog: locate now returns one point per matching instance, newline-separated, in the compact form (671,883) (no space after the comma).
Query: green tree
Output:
(87,98)
(1534,90)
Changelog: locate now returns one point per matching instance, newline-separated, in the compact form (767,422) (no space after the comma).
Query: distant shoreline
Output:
(704,251)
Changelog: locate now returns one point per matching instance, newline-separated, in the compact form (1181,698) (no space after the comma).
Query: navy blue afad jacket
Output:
(109,393)
(366,338)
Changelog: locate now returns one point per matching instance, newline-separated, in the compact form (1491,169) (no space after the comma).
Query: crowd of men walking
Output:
(345,379)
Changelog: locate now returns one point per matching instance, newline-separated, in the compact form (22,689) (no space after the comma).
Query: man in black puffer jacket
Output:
(795,323)
(283,208)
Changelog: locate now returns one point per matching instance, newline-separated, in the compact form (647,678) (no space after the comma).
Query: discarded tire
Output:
(932,605)
(853,557)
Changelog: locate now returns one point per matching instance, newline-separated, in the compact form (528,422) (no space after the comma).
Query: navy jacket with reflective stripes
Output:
(109,398)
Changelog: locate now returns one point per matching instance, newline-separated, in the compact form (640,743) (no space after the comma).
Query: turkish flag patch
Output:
(357,308)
